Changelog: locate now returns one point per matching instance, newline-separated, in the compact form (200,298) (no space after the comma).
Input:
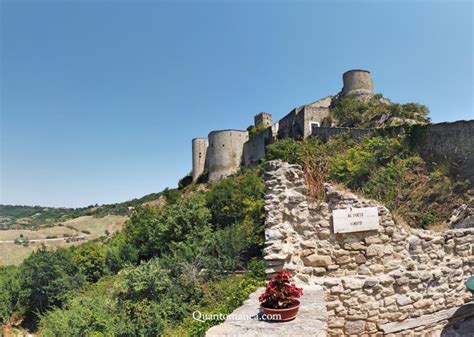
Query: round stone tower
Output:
(225,152)
(357,82)
(199,156)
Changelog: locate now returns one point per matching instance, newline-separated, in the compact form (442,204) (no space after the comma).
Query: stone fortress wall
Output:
(199,156)
(377,282)
(225,151)
(297,124)
(451,141)
(357,82)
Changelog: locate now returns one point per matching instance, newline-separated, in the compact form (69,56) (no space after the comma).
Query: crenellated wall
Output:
(382,281)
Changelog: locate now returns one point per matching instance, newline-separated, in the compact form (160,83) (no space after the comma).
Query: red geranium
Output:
(280,294)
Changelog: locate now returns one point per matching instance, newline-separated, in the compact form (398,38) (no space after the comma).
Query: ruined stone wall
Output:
(375,281)
(450,141)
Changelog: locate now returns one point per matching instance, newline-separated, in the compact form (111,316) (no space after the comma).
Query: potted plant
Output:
(280,301)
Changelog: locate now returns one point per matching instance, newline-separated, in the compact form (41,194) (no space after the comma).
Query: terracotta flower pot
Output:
(6,330)
(286,314)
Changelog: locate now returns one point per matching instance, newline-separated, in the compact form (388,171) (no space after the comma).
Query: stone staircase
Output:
(311,319)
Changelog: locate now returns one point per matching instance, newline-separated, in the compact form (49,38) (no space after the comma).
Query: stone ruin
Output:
(392,281)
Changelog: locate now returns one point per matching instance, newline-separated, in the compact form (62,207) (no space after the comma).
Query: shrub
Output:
(256,129)
(9,294)
(152,231)
(91,260)
(352,112)
(354,166)
(47,278)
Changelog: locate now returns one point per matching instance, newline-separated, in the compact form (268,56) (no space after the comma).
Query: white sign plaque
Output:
(355,219)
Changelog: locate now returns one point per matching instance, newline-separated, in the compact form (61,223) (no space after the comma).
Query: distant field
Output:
(84,228)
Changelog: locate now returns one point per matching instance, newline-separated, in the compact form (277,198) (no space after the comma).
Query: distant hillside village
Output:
(223,152)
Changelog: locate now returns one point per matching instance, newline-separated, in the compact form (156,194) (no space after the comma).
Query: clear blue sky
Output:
(100,99)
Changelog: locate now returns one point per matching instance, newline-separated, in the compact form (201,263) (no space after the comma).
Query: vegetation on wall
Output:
(256,129)
(375,112)
(386,168)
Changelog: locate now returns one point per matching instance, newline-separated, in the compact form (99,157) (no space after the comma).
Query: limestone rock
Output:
(317,260)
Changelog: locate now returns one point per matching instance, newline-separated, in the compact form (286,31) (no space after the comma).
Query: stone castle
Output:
(224,151)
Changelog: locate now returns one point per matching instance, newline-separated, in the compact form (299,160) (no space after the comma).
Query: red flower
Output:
(279,293)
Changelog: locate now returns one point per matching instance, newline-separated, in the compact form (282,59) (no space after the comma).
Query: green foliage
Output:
(352,112)
(256,129)
(226,249)
(47,278)
(83,316)
(237,199)
(120,253)
(91,260)
(387,168)
(354,166)
(240,201)
(152,230)
(9,293)
(220,297)
(288,150)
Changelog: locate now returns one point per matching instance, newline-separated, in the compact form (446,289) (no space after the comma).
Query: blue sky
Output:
(100,99)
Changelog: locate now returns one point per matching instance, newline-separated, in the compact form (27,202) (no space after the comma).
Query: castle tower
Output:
(263,118)
(225,152)
(199,156)
(358,83)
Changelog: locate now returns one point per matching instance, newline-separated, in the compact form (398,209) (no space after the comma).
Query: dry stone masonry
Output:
(392,281)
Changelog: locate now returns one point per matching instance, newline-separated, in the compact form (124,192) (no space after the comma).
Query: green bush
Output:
(352,112)
(354,166)
(120,253)
(256,129)
(152,230)
(9,293)
(48,278)
(91,260)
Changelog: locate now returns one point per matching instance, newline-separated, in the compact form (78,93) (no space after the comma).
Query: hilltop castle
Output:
(224,151)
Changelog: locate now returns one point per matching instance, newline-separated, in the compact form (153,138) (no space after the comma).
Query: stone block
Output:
(317,260)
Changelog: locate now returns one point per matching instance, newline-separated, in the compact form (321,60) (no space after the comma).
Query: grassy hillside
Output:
(18,244)
(22,217)
(171,258)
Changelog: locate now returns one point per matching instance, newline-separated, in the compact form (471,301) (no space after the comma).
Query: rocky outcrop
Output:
(463,216)
(371,278)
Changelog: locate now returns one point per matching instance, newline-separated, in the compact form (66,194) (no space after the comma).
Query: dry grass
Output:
(11,253)
(315,171)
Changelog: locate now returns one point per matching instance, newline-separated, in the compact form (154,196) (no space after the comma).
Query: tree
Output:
(46,277)
(91,260)
(153,230)
(9,293)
